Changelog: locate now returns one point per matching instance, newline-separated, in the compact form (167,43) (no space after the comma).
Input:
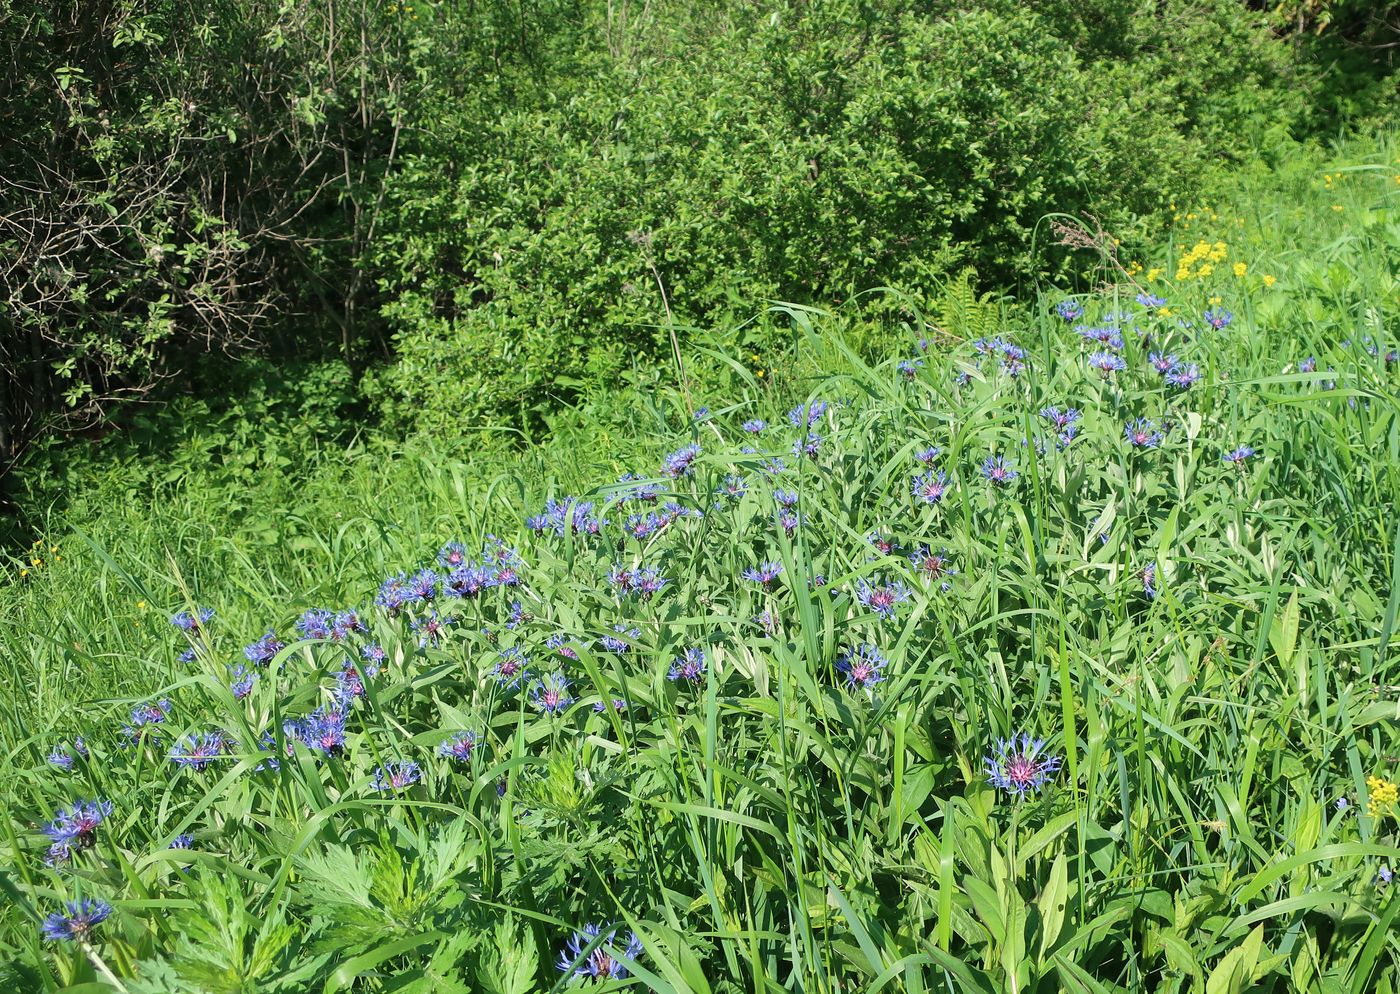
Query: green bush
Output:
(531,250)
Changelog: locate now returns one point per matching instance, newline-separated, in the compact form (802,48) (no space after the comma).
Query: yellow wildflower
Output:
(1216,301)
(1241,268)
(1384,795)
(1268,281)
(1154,273)
(141,605)
(1206,270)
(1337,207)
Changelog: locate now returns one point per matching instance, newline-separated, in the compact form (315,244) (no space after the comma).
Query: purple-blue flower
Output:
(396,775)
(1019,765)
(550,694)
(935,566)
(612,643)
(264,649)
(241,681)
(754,425)
(1142,434)
(808,415)
(315,624)
(1107,363)
(459,748)
(1069,310)
(764,573)
(1148,300)
(680,462)
(604,962)
(1218,318)
(511,666)
(862,666)
(76,826)
(931,487)
(76,922)
(199,751)
(192,622)
(689,666)
(1184,376)
(881,597)
(1239,455)
(998,471)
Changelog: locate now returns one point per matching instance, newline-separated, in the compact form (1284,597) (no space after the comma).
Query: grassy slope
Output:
(1206,733)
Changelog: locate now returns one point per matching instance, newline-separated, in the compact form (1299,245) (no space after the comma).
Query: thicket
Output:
(486,208)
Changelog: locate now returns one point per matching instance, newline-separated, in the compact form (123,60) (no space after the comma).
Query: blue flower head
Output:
(76,922)
(1019,765)
(604,962)
(689,666)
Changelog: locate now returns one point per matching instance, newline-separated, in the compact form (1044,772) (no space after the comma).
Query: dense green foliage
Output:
(770,827)
(487,209)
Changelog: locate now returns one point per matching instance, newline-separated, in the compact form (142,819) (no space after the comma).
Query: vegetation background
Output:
(297,292)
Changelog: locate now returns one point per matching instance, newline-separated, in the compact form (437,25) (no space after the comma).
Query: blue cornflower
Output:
(315,624)
(885,545)
(264,649)
(789,520)
(518,616)
(559,643)
(199,751)
(786,498)
(346,623)
(1018,765)
(394,594)
(76,923)
(604,962)
(862,666)
(469,580)
(638,488)
(431,628)
(928,455)
(733,488)
(764,573)
(452,555)
(459,748)
(1142,434)
(1150,301)
(931,487)
(350,685)
(681,462)
(1107,363)
(58,854)
(1308,365)
(510,668)
(76,825)
(620,645)
(1184,376)
(618,703)
(61,758)
(1069,310)
(998,471)
(189,655)
(1110,338)
(325,730)
(648,581)
(909,368)
(1218,318)
(1239,455)
(700,414)
(754,425)
(241,681)
(766,622)
(424,584)
(192,622)
(1163,363)
(396,775)
(882,598)
(182,841)
(144,715)
(810,447)
(374,653)
(1061,419)
(805,416)
(1148,576)
(551,694)
(935,566)
(689,666)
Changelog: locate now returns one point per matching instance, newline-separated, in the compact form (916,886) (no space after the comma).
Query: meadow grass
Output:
(812,777)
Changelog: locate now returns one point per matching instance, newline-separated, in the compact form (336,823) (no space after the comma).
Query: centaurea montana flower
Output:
(459,747)
(551,695)
(931,487)
(764,573)
(191,622)
(396,775)
(689,666)
(1219,318)
(1069,310)
(1019,765)
(934,566)
(76,825)
(1107,363)
(681,462)
(1142,434)
(862,667)
(604,962)
(200,751)
(881,597)
(1239,455)
(1184,376)
(612,643)
(998,471)
(262,652)
(512,666)
(76,922)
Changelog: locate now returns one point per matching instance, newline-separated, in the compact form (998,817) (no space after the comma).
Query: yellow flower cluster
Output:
(36,557)
(1384,795)
(1203,256)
